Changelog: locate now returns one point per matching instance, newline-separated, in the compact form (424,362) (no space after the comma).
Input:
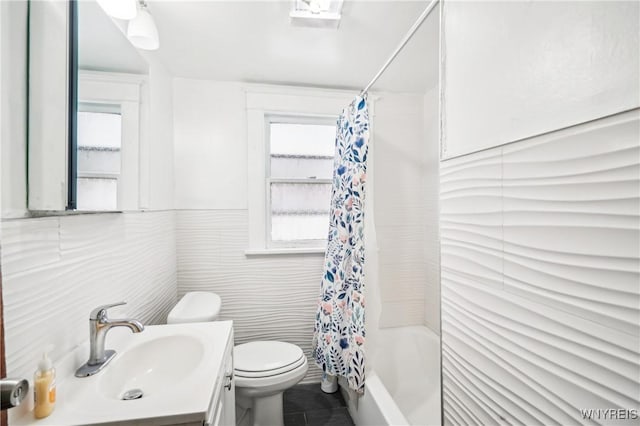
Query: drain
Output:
(132,394)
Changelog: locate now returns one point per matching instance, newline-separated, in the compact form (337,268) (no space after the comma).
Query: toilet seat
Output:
(270,384)
(262,359)
(269,373)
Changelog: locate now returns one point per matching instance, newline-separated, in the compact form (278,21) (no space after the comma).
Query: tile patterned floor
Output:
(307,405)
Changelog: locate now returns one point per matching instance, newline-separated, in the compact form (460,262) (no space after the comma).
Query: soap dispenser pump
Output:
(44,386)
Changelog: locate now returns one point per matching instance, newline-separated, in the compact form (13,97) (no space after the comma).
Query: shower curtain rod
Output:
(404,41)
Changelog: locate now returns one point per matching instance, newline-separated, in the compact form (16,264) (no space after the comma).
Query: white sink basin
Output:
(151,366)
(175,366)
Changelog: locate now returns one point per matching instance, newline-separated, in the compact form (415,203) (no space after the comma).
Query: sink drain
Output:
(132,394)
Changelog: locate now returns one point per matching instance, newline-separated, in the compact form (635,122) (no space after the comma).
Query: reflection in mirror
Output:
(110,79)
(99,141)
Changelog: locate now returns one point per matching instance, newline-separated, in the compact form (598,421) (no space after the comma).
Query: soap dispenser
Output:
(44,387)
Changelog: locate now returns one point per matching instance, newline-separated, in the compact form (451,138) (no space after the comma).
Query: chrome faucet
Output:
(99,325)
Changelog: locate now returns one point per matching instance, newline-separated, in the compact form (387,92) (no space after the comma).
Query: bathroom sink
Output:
(175,368)
(147,368)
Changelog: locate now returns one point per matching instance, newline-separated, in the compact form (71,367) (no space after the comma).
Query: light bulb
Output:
(120,9)
(314,6)
(317,6)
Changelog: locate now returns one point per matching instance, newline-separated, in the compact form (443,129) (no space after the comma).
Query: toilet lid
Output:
(266,358)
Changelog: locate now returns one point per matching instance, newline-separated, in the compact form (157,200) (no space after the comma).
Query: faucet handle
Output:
(101,311)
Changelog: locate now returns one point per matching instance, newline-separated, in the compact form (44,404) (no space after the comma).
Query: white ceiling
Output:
(254,41)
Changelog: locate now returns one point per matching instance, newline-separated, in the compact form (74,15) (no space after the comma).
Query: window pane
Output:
(300,198)
(97,194)
(302,150)
(98,160)
(286,166)
(99,129)
(300,211)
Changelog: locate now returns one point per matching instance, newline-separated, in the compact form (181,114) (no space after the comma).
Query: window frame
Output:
(289,119)
(124,92)
(262,102)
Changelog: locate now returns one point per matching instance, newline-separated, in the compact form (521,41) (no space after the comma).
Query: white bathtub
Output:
(403,387)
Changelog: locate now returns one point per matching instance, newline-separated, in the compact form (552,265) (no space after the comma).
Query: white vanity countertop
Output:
(85,401)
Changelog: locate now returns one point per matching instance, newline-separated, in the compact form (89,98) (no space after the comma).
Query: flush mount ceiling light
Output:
(120,9)
(142,30)
(316,13)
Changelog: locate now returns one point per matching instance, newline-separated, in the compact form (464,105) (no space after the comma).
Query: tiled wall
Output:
(540,276)
(55,270)
(401,170)
(267,297)
(431,217)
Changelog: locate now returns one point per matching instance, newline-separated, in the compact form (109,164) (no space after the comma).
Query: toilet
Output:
(263,370)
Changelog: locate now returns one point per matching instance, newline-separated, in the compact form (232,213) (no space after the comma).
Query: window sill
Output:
(283,251)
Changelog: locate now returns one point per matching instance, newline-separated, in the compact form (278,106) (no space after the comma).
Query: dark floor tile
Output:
(295,419)
(310,397)
(333,417)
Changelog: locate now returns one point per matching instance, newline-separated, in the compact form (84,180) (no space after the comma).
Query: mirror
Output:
(86,112)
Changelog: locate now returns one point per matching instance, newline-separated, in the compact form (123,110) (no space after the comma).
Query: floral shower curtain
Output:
(338,341)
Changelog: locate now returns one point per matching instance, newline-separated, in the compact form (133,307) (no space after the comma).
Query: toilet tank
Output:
(196,306)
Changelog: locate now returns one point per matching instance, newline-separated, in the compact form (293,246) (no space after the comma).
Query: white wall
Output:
(519,69)
(274,297)
(540,297)
(210,122)
(13,107)
(156,150)
(431,215)
(540,238)
(404,194)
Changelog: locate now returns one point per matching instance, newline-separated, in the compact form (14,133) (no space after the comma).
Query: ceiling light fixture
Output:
(317,6)
(120,9)
(316,13)
(142,30)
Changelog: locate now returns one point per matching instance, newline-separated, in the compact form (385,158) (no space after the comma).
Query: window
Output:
(99,143)
(291,143)
(299,168)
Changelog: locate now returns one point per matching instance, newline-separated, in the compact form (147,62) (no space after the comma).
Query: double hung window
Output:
(299,168)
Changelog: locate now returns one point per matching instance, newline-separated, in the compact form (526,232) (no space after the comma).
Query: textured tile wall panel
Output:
(398,168)
(267,297)
(56,269)
(541,277)
(430,196)
(403,312)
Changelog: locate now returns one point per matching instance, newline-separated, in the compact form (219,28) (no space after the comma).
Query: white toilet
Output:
(263,370)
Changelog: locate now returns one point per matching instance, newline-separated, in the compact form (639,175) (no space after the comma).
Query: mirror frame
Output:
(52,89)
(72,111)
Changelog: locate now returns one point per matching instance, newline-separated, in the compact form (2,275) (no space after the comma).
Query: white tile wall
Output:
(540,277)
(405,165)
(267,297)
(431,218)
(57,269)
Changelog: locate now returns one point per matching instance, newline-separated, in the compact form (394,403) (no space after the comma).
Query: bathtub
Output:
(403,385)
